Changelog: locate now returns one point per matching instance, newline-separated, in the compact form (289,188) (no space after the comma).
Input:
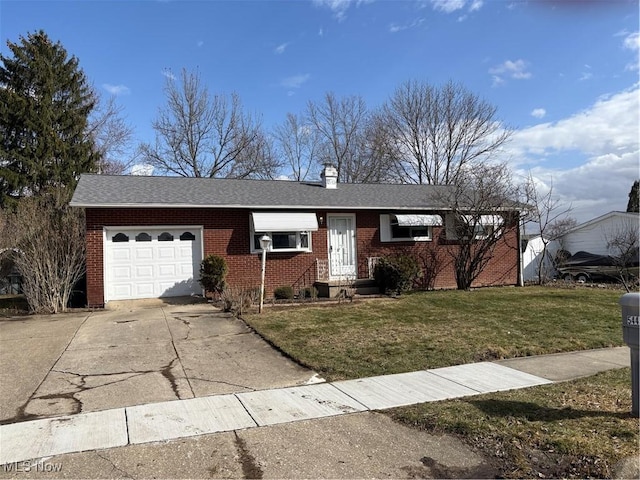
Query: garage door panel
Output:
(165,253)
(143,253)
(167,270)
(122,291)
(143,290)
(185,269)
(122,272)
(120,254)
(144,272)
(151,269)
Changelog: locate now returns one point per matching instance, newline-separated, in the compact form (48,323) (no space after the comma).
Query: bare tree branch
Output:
(198,135)
(623,243)
(298,145)
(483,209)
(435,133)
(544,211)
(111,135)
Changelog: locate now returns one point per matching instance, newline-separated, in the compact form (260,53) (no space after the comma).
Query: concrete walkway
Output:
(222,413)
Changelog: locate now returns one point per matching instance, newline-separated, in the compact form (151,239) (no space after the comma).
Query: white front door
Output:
(342,246)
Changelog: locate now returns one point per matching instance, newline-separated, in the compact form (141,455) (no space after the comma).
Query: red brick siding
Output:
(226,233)
(502,269)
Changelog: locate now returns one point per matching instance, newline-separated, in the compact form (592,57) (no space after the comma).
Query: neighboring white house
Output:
(592,236)
(533,248)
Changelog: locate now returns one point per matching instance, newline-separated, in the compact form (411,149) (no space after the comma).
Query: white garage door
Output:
(152,262)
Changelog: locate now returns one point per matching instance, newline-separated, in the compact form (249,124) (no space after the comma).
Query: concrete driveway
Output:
(141,352)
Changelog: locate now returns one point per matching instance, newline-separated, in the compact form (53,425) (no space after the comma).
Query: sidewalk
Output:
(223,413)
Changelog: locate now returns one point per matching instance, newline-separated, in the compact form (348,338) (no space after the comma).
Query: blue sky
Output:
(563,74)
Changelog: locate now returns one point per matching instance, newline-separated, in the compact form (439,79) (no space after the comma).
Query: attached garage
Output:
(151,262)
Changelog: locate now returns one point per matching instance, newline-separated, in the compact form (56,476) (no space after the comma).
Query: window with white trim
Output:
(408,227)
(289,231)
(461,227)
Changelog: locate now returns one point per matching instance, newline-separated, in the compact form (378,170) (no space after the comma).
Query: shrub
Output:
(238,300)
(396,274)
(283,293)
(213,271)
(309,292)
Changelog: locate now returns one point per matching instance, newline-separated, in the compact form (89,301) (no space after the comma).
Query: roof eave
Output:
(260,207)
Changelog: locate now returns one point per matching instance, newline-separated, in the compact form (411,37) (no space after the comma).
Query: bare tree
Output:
(48,242)
(623,244)
(434,133)
(299,145)
(341,124)
(112,137)
(199,135)
(543,211)
(482,209)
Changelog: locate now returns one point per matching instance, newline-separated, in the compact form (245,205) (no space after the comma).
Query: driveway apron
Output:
(135,356)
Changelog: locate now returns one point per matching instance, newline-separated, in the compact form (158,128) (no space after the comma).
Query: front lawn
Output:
(574,429)
(441,328)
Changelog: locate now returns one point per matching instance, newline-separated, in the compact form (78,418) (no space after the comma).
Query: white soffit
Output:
(284,222)
(419,220)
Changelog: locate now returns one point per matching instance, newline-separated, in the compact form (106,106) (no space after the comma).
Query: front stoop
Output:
(334,288)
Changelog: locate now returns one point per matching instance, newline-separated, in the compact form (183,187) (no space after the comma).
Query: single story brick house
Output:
(146,236)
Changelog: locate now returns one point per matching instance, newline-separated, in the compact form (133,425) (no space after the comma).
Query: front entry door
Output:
(342,246)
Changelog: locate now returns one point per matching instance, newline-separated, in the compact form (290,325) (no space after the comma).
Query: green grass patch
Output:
(441,328)
(577,429)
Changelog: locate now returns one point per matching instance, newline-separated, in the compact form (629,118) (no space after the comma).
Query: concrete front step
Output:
(335,288)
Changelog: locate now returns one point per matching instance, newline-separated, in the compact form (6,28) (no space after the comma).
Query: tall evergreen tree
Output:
(45,102)
(634,198)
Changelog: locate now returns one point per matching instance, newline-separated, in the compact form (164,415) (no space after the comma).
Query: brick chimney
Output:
(329,176)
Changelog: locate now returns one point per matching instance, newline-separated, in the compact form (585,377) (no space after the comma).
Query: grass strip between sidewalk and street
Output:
(577,429)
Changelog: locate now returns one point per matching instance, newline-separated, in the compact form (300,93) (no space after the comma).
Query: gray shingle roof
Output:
(139,191)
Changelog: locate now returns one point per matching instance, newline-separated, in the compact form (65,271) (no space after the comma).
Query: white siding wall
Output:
(592,237)
(531,258)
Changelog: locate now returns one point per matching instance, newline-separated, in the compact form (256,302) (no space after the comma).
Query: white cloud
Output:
(538,112)
(116,89)
(142,169)
(168,74)
(592,155)
(585,76)
(448,6)
(475,5)
(632,41)
(395,28)
(295,81)
(339,7)
(513,69)
(279,50)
